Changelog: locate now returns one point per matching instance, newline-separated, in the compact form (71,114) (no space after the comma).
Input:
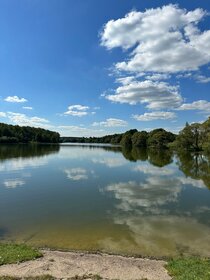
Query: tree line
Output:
(194,137)
(26,134)
(158,138)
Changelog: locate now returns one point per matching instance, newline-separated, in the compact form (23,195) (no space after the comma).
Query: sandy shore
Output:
(68,264)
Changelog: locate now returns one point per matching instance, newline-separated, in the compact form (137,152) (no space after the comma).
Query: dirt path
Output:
(68,264)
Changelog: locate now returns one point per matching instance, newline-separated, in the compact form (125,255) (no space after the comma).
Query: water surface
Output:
(103,198)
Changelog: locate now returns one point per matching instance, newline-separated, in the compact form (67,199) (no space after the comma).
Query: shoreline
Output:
(22,262)
(67,264)
(100,253)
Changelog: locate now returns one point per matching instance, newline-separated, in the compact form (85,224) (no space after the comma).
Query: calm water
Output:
(102,198)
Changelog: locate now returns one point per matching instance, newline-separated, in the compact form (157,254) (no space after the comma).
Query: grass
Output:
(191,268)
(15,253)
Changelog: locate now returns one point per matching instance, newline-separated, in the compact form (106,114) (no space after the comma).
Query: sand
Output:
(63,265)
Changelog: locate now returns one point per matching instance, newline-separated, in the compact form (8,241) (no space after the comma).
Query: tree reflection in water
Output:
(9,151)
(193,165)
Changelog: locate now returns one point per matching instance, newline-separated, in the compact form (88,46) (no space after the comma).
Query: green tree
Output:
(127,136)
(160,138)
(191,137)
(139,139)
(205,127)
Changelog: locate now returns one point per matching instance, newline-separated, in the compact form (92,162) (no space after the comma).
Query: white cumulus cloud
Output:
(156,94)
(15,99)
(77,110)
(165,39)
(159,44)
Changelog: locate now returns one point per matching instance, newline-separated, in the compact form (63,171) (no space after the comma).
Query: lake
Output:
(104,198)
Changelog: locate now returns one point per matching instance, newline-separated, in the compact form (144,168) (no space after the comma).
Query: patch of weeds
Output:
(41,277)
(86,276)
(15,253)
(191,268)
(96,277)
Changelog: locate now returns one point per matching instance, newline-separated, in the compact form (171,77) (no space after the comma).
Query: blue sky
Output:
(90,68)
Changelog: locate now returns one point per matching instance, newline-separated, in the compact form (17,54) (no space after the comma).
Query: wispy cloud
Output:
(159,115)
(27,108)
(202,79)
(24,120)
(158,76)
(13,183)
(109,161)
(3,114)
(111,122)
(200,105)
(79,131)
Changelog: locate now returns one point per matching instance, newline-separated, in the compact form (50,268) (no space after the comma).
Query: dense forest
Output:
(194,137)
(26,134)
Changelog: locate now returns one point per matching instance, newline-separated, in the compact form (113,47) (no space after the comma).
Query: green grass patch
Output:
(41,277)
(191,268)
(14,253)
